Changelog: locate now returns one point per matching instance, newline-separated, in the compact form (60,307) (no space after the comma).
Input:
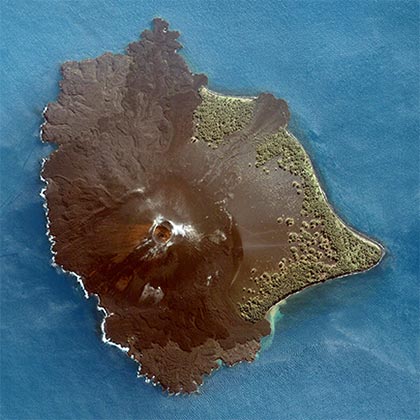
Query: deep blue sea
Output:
(348,349)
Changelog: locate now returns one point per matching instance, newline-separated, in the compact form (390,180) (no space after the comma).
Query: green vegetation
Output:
(219,115)
(321,246)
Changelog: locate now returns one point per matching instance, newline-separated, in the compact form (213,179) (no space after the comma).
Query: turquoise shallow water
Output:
(347,349)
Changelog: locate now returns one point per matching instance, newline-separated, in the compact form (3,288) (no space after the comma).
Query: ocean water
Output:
(348,349)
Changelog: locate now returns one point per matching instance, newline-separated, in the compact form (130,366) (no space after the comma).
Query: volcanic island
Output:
(187,213)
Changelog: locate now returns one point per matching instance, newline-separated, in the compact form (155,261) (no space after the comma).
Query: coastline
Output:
(243,98)
(273,315)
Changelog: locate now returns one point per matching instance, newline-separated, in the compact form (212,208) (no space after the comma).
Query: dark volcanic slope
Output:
(173,230)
